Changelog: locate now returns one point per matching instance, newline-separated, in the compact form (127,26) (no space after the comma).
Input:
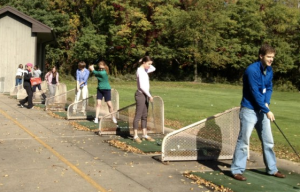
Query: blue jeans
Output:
(18,81)
(250,119)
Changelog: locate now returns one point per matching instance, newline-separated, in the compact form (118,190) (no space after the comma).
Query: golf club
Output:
(286,139)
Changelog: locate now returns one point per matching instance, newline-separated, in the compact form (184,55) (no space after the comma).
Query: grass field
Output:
(188,102)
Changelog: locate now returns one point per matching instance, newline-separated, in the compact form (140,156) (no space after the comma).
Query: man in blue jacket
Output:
(255,112)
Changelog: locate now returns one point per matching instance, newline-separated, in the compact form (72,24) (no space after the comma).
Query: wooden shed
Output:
(23,40)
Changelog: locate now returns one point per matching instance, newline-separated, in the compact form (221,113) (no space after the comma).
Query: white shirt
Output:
(20,72)
(143,83)
(37,73)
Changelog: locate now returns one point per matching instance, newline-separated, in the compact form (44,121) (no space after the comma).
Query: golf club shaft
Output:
(286,139)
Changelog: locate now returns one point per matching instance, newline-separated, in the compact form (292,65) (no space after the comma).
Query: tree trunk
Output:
(195,72)
(195,63)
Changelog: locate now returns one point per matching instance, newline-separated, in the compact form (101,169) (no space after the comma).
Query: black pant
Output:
(36,86)
(40,88)
(141,111)
(28,98)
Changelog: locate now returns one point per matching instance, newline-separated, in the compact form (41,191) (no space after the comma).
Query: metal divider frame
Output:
(21,92)
(37,94)
(211,138)
(61,99)
(85,108)
(125,116)
(14,90)
(81,114)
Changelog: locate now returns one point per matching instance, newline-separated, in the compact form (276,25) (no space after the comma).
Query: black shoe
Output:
(20,105)
(44,96)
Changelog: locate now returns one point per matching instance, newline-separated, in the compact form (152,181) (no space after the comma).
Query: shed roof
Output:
(37,26)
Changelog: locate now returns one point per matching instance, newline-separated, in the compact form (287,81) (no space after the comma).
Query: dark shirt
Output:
(53,80)
(27,77)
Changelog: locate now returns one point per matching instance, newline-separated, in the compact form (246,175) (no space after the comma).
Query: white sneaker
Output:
(114,119)
(96,120)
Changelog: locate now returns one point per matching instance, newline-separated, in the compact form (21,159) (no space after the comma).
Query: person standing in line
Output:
(103,89)
(142,98)
(27,87)
(255,113)
(82,75)
(52,79)
(19,75)
(36,74)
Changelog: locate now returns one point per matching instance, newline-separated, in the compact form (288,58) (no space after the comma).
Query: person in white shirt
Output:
(19,75)
(142,98)
(36,74)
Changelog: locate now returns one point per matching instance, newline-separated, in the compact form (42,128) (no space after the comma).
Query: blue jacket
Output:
(82,76)
(257,87)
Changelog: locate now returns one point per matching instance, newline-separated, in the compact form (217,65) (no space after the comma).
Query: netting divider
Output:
(190,140)
(14,90)
(113,113)
(174,133)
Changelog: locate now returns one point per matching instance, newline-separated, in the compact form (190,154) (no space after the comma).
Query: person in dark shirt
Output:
(27,87)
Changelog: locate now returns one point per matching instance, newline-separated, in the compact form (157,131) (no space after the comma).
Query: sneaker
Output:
(148,138)
(137,139)
(114,119)
(96,120)
(20,105)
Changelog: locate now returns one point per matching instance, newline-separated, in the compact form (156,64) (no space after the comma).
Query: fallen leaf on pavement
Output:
(200,181)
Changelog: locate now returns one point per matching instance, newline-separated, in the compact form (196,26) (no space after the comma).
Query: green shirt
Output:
(102,79)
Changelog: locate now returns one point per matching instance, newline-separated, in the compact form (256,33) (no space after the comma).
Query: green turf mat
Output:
(145,146)
(257,180)
(89,115)
(13,97)
(123,128)
(40,105)
(61,113)
(89,124)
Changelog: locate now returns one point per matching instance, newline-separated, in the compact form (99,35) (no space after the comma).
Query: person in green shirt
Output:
(103,89)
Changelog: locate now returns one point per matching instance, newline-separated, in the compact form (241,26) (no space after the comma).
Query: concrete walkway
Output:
(41,153)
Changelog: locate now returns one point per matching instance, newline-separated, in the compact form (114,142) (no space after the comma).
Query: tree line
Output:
(188,39)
